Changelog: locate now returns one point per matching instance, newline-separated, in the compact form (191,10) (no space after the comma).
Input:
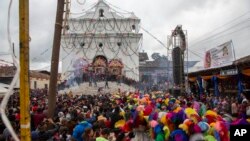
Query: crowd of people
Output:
(127,116)
(93,78)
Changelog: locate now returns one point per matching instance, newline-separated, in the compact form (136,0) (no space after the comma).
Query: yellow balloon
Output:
(166,131)
(166,101)
(190,111)
(184,127)
(211,113)
(163,120)
(120,123)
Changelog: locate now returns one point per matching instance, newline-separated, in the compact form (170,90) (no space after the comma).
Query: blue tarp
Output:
(240,86)
(216,85)
(199,79)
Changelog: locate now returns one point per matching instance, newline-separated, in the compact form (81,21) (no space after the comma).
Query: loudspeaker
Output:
(178,66)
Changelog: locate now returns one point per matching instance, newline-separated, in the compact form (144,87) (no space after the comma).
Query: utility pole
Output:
(24,71)
(55,58)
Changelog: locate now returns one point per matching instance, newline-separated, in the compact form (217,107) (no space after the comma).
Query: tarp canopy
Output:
(4,85)
(246,72)
(17,86)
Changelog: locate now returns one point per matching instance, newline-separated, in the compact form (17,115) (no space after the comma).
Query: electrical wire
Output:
(221,26)
(154,37)
(125,11)
(84,11)
(196,54)
(221,32)
(224,35)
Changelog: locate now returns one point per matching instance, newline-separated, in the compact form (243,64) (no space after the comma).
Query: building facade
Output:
(38,79)
(101,41)
(7,73)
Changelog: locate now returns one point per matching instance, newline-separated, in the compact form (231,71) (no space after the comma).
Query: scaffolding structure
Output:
(178,40)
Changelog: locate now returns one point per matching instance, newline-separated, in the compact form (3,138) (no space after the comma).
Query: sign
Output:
(229,72)
(221,55)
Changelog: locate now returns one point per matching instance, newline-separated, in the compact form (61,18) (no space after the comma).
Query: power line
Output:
(154,37)
(125,11)
(238,30)
(84,11)
(227,23)
(213,36)
(233,26)
(194,53)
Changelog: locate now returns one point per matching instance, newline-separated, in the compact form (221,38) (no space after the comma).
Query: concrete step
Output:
(84,88)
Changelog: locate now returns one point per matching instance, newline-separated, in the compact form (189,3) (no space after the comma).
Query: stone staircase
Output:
(85,89)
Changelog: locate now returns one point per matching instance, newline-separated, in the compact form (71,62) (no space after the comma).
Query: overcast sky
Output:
(227,19)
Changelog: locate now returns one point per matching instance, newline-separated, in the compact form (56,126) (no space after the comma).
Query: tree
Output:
(155,56)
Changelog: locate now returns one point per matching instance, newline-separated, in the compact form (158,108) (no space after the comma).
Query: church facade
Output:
(101,41)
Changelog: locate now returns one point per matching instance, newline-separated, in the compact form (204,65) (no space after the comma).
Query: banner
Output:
(221,55)
(229,72)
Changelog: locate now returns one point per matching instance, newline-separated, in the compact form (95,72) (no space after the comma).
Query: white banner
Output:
(219,56)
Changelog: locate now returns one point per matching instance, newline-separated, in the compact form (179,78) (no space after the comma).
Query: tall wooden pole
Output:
(55,58)
(24,69)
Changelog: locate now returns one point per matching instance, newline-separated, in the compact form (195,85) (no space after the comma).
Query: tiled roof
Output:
(242,60)
(7,71)
(39,75)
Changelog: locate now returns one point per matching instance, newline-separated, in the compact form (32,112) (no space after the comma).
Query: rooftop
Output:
(143,56)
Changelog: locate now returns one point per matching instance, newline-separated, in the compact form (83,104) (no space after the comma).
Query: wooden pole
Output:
(24,69)
(55,58)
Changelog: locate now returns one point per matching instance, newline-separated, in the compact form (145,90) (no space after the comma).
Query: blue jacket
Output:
(79,130)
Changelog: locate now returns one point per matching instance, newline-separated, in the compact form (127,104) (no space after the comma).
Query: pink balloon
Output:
(153,123)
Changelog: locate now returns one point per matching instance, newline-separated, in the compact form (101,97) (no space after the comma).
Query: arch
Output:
(101,13)
(100,64)
(115,63)
(115,67)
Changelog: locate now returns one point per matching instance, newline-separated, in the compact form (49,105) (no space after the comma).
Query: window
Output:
(82,44)
(35,85)
(100,45)
(133,28)
(101,13)
(119,43)
(46,86)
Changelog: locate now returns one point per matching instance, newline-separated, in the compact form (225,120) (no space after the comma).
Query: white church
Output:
(102,41)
